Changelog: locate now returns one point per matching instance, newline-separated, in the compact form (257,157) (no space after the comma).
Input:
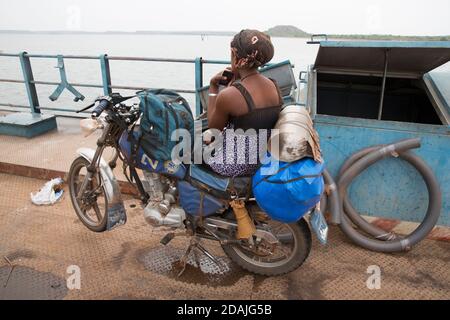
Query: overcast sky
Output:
(405,17)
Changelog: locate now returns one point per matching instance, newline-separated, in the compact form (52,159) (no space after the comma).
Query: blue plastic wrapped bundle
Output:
(286,191)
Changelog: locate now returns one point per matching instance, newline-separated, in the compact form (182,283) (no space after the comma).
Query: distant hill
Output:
(287,31)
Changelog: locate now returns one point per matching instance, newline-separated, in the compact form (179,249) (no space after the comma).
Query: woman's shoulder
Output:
(270,82)
(226,100)
(228,94)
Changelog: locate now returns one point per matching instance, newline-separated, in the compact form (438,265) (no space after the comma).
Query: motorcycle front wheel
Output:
(91,207)
(286,256)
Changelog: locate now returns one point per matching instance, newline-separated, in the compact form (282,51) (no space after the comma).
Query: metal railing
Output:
(107,86)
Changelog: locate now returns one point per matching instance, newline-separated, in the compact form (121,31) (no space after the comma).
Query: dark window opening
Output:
(405,100)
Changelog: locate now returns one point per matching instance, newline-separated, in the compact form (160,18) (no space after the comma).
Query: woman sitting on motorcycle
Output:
(250,101)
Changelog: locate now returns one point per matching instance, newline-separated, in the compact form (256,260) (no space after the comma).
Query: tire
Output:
(100,225)
(302,236)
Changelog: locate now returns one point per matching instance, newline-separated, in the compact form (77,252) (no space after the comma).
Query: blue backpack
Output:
(163,111)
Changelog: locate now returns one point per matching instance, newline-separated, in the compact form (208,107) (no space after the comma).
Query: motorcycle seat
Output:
(223,187)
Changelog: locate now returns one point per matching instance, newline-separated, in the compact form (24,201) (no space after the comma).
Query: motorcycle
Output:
(274,248)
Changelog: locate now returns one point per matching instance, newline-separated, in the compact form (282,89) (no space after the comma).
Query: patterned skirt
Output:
(239,154)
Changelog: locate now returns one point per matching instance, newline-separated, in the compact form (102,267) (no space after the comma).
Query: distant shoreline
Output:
(231,33)
(63,32)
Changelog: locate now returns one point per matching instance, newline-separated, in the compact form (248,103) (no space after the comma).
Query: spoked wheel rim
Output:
(283,252)
(92,206)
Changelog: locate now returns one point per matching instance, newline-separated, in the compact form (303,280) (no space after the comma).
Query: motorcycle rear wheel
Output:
(300,241)
(92,212)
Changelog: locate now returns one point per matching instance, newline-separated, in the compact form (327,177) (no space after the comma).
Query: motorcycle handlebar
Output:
(102,105)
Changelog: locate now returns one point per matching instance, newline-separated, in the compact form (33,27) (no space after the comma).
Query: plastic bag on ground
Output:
(50,193)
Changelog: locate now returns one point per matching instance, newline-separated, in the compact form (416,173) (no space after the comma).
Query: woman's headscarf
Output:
(252,48)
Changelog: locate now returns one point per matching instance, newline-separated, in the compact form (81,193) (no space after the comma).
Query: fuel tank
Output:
(144,162)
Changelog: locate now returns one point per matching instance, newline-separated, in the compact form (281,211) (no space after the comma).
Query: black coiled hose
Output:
(343,213)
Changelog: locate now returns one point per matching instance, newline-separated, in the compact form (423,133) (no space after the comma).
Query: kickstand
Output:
(209,255)
(197,259)
(183,260)
(195,245)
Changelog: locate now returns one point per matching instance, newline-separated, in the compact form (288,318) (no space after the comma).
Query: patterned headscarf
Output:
(252,48)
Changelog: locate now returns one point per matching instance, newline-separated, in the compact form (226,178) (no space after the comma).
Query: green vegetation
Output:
(294,32)
(388,37)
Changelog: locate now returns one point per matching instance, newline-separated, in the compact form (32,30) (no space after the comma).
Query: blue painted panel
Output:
(391,187)
(441,83)
(412,58)
(27,124)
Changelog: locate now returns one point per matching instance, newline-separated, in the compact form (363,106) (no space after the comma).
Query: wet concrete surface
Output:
(130,263)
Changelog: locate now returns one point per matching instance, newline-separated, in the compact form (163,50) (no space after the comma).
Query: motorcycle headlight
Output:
(88,126)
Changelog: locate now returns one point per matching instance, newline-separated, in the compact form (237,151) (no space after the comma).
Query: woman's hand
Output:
(214,82)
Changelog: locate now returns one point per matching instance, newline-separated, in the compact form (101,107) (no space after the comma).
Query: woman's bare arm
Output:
(217,114)
(217,110)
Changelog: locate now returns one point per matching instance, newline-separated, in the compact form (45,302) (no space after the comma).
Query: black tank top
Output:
(256,118)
